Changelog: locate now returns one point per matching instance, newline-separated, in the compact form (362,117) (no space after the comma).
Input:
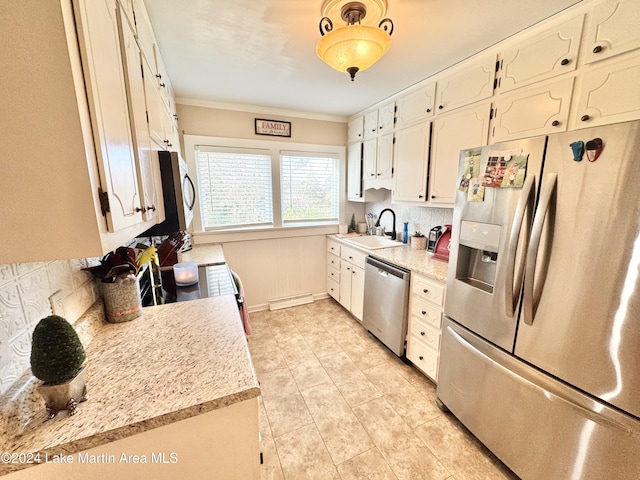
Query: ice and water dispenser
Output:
(478,254)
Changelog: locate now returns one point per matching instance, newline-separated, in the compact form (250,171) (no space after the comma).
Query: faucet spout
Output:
(393,230)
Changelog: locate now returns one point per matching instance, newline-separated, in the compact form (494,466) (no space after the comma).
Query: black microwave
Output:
(179,195)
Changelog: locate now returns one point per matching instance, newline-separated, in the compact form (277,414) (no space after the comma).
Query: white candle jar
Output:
(185,273)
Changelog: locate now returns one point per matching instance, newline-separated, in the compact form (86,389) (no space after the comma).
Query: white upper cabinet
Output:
(531,111)
(371,124)
(146,159)
(355,129)
(354,172)
(411,159)
(613,28)
(104,78)
(465,128)
(470,83)
(415,106)
(545,55)
(609,93)
(386,118)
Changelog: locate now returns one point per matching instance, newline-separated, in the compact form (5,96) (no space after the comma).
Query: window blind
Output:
(310,187)
(235,188)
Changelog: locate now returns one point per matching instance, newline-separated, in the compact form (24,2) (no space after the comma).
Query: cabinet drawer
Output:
(423,357)
(333,247)
(426,312)
(333,274)
(426,333)
(428,289)
(352,255)
(333,288)
(333,261)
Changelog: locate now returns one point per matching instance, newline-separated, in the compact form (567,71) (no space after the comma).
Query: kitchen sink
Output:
(373,242)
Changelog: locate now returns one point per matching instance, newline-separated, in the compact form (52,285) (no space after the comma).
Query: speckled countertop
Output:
(204,254)
(417,261)
(174,362)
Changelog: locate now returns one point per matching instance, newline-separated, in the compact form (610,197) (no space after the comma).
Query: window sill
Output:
(263,233)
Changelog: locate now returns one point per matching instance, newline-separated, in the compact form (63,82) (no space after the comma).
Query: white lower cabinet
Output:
(345,276)
(425,324)
(352,280)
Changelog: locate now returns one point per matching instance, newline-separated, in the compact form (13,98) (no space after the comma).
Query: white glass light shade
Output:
(353,46)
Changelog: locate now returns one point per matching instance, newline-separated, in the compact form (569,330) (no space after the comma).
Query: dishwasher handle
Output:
(388,268)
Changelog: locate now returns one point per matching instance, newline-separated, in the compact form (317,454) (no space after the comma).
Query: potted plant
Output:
(418,241)
(58,360)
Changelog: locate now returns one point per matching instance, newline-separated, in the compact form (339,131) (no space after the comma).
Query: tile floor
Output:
(336,405)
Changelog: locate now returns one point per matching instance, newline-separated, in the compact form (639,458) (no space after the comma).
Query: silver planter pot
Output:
(64,396)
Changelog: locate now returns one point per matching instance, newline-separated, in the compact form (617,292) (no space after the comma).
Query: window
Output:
(310,187)
(235,188)
(267,186)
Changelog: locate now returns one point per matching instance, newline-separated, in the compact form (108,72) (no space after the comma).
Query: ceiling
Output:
(262,52)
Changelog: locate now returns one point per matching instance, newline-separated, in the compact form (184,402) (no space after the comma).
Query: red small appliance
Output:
(443,244)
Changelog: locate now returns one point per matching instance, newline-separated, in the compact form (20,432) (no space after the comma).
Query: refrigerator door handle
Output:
(547,194)
(514,268)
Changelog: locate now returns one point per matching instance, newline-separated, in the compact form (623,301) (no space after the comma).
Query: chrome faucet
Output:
(393,231)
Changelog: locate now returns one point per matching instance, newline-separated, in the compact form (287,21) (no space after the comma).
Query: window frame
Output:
(276,147)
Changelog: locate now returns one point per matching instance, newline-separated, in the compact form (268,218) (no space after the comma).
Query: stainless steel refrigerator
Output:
(540,354)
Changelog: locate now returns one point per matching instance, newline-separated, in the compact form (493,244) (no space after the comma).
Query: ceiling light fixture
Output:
(364,39)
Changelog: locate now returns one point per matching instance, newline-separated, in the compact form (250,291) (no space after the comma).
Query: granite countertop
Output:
(204,254)
(174,362)
(417,261)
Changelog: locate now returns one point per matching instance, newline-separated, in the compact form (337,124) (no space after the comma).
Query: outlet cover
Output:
(56,300)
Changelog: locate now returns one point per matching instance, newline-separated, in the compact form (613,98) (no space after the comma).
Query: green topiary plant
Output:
(57,355)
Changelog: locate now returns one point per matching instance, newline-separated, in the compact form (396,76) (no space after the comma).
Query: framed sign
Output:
(273,127)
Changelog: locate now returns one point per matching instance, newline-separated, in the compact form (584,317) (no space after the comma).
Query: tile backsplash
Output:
(25,289)
(419,218)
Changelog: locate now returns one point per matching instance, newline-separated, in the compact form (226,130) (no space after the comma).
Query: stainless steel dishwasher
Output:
(386,303)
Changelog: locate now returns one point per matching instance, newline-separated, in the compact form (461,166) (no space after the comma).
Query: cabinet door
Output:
(355,129)
(612,28)
(609,94)
(466,128)
(354,172)
(470,84)
(369,154)
(386,118)
(532,111)
(345,285)
(371,124)
(411,160)
(384,159)
(415,106)
(146,38)
(146,167)
(543,56)
(99,39)
(357,292)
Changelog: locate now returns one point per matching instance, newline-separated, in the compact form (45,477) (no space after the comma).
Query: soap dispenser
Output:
(405,233)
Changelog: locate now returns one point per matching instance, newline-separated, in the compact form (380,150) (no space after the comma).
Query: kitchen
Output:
(255,255)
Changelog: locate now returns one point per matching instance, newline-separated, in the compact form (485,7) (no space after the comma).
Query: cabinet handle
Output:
(175,116)
(162,85)
(598,49)
(428,110)
(584,118)
(555,123)
(440,107)
(422,333)
(421,357)
(565,61)
(424,290)
(433,196)
(420,196)
(158,75)
(152,208)
(141,209)
(353,271)
(424,312)
(373,174)
(350,258)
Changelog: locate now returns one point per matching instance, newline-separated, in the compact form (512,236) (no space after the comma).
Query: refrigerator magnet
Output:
(594,149)
(577,148)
